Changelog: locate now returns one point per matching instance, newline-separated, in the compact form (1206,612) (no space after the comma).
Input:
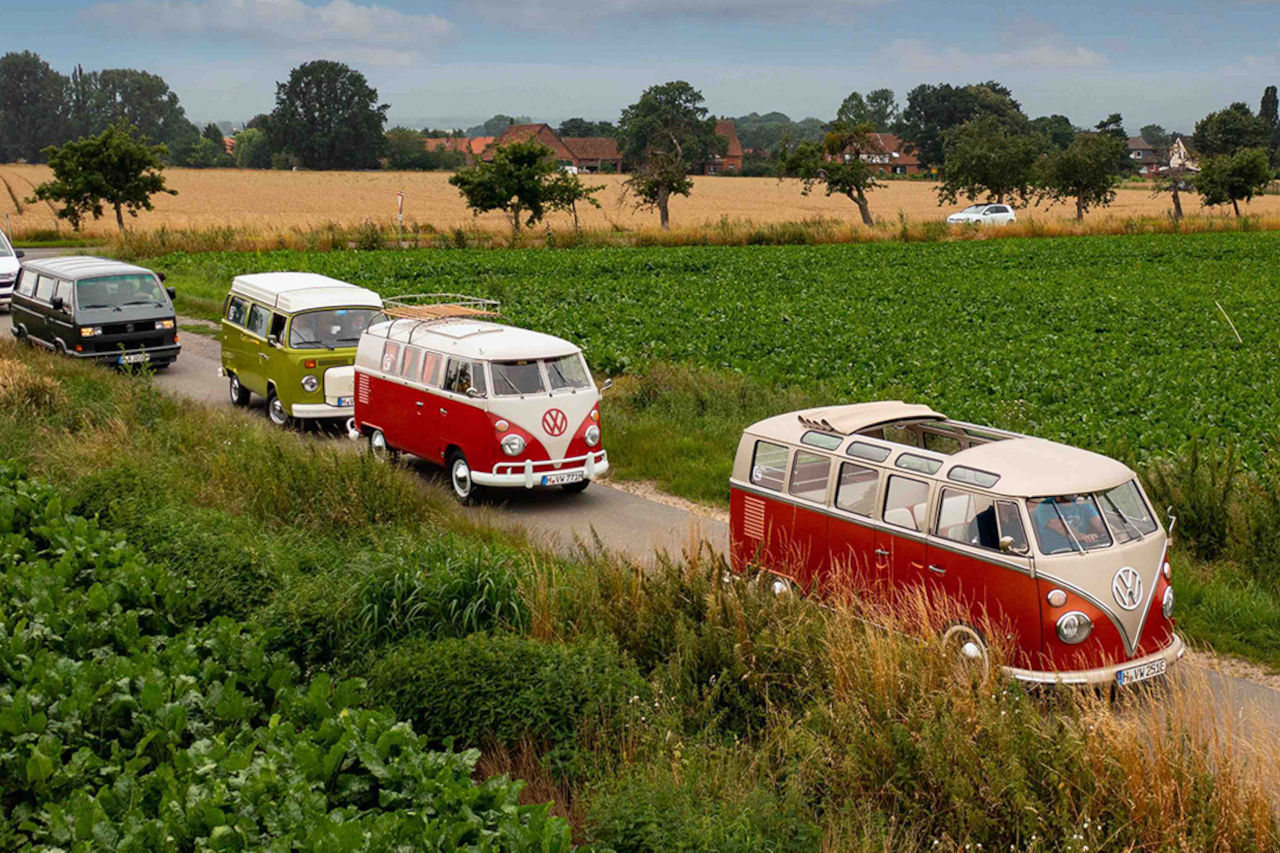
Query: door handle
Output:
(880,552)
(418,403)
(937,570)
(263,356)
(444,412)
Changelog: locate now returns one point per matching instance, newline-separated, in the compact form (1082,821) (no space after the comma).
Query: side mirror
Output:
(160,275)
(57,303)
(475,393)
(608,383)
(1006,544)
(173,294)
(18,253)
(273,340)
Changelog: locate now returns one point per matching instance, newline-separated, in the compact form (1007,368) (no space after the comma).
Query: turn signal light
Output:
(1057,598)
(1165,570)
(595,414)
(501,425)
(309,364)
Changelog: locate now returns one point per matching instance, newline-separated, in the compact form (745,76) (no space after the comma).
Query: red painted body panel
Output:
(996,596)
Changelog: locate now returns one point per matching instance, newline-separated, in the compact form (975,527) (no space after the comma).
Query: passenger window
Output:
(44,288)
(919,463)
(856,490)
(65,290)
(258,317)
(277,326)
(409,367)
(906,503)
(1011,526)
(390,357)
(431,369)
(462,376)
(769,466)
(862,450)
(968,518)
(809,475)
(26,283)
(236,309)
(824,440)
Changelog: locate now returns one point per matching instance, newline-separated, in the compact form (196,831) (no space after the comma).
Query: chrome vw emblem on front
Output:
(1126,586)
(129,328)
(554,422)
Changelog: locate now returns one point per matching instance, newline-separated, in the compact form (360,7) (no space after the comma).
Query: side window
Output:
(968,518)
(809,475)
(1011,525)
(463,375)
(856,489)
(44,288)
(236,310)
(390,357)
(258,317)
(431,369)
(906,503)
(409,367)
(277,326)
(769,465)
(65,289)
(26,283)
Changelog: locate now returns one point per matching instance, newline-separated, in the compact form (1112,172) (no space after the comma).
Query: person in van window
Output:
(1068,522)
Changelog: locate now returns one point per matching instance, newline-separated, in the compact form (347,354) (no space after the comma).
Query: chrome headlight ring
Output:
(512,445)
(592,435)
(1074,627)
(310,383)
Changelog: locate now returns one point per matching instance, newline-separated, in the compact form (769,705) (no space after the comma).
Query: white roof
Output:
(474,339)
(77,267)
(1035,467)
(303,291)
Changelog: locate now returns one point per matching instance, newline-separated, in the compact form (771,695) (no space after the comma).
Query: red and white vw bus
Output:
(496,405)
(1057,546)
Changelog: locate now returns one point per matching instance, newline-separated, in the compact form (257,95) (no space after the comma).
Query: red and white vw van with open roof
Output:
(496,405)
(1056,546)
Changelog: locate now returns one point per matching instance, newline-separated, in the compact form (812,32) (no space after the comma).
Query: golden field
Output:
(279,201)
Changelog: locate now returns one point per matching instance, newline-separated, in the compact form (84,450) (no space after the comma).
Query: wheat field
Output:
(276,201)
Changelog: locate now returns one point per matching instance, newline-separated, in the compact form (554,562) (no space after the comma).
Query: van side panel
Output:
(1002,602)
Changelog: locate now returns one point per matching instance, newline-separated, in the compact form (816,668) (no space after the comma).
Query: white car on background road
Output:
(984,214)
(9,267)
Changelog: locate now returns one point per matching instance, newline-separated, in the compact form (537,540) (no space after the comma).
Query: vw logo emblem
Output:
(129,328)
(554,422)
(1126,586)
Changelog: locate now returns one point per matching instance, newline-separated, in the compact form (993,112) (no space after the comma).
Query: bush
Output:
(1199,484)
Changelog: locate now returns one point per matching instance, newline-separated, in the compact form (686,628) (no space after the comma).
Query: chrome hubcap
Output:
(461,478)
(971,650)
(235,389)
(378,443)
(277,411)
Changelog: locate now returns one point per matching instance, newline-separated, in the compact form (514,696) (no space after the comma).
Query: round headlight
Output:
(310,383)
(513,445)
(592,435)
(1074,627)
(1167,604)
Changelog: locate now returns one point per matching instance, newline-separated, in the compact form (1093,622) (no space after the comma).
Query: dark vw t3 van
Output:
(96,309)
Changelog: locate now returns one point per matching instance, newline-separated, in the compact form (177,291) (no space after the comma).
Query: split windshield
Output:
(332,328)
(1087,522)
(520,378)
(118,291)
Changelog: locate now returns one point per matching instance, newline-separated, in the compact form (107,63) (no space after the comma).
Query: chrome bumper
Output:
(321,410)
(528,474)
(1170,654)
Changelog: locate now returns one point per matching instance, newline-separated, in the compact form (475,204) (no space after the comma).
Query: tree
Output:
(582,127)
(984,157)
(115,168)
(1233,177)
(1057,129)
(32,98)
(207,154)
(137,99)
(933,111)
(1228,131)
(1113,126)
(523,180)
(665,134)
(328,116)
(406,149)
(253,149)
(1269,112)
(1156,136)
(840,162)
(566,191)
(497,124)
(764,133)
(878,109)
(213,133)
(1084,172)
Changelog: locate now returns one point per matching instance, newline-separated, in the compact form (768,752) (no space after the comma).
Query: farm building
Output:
(892,158)
(1144,156)
(731,161)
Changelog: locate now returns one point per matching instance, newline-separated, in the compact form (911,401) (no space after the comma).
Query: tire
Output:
(379,448)
(968,647)
(238,393)
(275,410)
(578,487)
(464,488)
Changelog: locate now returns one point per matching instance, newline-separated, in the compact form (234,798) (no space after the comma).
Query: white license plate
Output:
(343,402)
(135,358)
(1141,673)
(561,479)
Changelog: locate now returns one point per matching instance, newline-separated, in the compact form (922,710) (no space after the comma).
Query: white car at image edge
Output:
(9,268)
(984,214)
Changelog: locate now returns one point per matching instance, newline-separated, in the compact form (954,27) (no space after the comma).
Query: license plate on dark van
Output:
(1147,671)
(561,479)
(135,358)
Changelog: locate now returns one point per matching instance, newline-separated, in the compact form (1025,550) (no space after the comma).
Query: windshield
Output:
(117,291)
(5,249)
(974,208)
(568,371)
(1067,523)
(1126,512)
(511,378)
(331,328)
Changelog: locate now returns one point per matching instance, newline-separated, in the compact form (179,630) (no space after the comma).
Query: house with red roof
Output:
(890,157)
(731,160)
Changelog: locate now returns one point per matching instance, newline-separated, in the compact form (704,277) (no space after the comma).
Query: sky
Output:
(456,63)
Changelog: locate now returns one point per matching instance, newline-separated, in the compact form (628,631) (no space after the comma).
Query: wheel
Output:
(968,649)
(578,487)
(238,393)
(276,410)
(464,488)
(382,451)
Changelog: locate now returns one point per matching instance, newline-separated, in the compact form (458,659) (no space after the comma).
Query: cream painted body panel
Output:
(339,382)
(527,413)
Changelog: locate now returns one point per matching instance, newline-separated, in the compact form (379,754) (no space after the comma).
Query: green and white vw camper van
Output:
(291,337)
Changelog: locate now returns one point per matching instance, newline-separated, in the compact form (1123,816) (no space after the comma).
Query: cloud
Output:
(371,33)
(544,14)
(1040,52)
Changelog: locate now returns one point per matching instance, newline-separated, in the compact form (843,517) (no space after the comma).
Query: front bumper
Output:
(321,410)
(156,355)
(527,474)
(1170,654)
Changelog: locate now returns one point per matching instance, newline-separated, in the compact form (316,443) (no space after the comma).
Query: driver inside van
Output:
(1068,523)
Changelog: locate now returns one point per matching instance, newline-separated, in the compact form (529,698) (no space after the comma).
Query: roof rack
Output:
(439,306)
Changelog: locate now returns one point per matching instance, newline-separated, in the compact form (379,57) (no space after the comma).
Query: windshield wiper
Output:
(1137,533)
(1067,527)
(142,302)
(88,307)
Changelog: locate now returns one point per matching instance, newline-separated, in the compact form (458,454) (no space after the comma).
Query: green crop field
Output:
(1114,343)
